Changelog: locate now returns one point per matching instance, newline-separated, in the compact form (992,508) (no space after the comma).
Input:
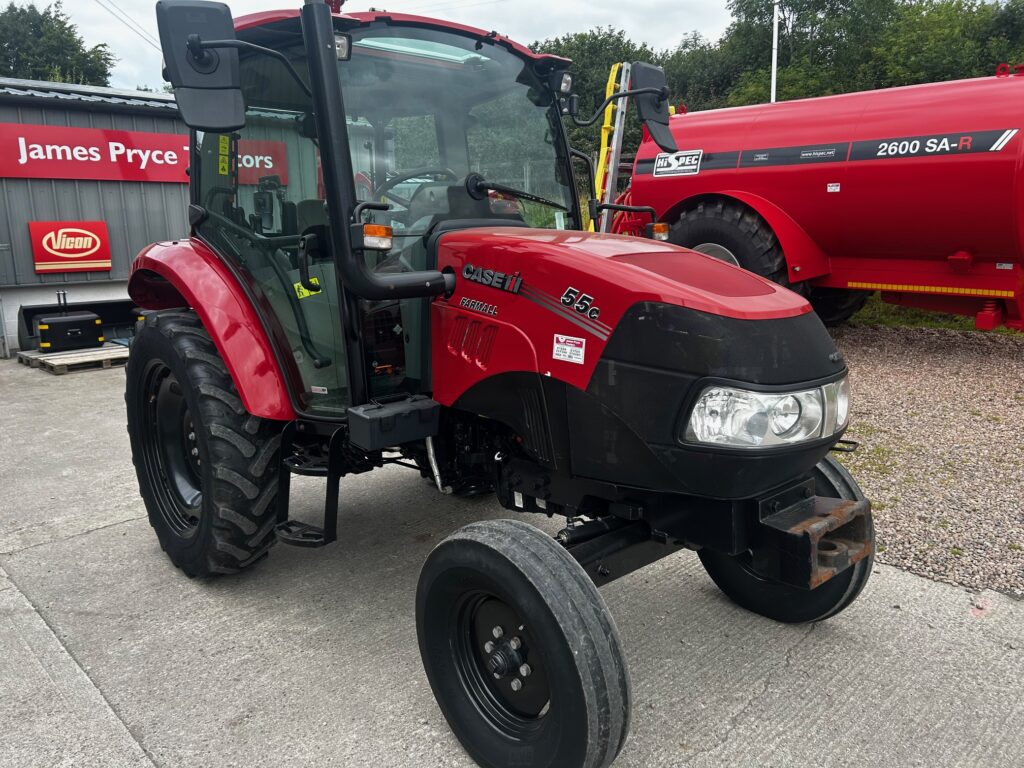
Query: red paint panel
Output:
(205,284)
(559,295)
(49,152)
(70,246)
(900,191)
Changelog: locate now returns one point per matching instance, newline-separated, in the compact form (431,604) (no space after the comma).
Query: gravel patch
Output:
(939,415)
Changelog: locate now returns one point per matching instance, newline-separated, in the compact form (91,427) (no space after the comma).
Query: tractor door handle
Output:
(307,244)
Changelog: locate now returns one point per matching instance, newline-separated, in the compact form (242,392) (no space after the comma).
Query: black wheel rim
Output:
(500,665)
(171,452)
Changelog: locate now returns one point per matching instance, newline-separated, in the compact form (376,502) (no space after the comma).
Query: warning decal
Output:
(571,349)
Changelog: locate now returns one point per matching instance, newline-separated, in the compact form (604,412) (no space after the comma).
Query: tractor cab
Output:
(427,109)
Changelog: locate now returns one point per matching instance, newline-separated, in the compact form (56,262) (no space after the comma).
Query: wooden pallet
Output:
(60,363)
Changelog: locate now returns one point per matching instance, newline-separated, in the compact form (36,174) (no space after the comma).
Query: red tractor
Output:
(902,191)
(462,323)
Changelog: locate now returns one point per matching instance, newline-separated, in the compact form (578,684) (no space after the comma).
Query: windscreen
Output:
(428,107)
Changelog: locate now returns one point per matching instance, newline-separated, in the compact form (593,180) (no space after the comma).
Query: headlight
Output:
(741,418)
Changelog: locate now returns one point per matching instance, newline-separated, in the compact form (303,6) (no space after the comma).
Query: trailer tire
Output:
(713,225)
(837,305)
(510,575)
(785,603)
(207,470)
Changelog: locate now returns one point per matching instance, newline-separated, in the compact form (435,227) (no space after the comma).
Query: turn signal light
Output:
(658,231)
(372,237)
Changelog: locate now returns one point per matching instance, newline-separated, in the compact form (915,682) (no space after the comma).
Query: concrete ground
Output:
(109,656)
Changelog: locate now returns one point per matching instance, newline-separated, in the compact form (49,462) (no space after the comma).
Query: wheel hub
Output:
(502,655)
(504,660)
(172,452)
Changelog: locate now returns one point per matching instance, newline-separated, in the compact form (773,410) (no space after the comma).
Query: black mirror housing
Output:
(206,80)
(652,108)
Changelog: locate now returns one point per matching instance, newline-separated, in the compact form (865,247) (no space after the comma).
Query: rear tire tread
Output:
(243,452)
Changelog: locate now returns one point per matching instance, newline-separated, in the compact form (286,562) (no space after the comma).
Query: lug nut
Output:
(525,670)
(517,684)
(195,451)
(515,643)
(191,435)
(488,647)
(497,632)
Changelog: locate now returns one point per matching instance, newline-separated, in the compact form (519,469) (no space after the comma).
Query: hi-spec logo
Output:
(71,243)
(70,246)
(510,283)
(685,163)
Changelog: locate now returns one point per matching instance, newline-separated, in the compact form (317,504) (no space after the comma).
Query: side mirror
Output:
(652,108)
(207,85)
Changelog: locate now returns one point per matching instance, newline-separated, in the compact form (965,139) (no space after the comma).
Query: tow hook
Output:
(805,539)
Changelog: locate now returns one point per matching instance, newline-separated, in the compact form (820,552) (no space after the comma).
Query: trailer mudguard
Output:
(804,257)
(186,273)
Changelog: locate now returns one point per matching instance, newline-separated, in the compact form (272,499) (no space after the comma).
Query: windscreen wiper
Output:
(478,187)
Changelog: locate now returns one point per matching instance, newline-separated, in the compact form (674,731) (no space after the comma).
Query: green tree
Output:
(44,45)
(940,40)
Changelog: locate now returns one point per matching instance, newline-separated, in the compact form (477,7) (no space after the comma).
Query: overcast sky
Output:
(659,23)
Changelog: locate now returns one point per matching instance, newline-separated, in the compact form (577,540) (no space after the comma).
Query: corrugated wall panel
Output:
(136,213)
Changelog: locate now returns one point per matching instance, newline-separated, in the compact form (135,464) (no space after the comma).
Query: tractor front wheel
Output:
(520,651)
(735,576)
(207,470)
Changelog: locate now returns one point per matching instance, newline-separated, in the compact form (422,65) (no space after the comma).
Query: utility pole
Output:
(775,47)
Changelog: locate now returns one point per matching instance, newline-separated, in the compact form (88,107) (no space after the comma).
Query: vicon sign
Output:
(70,246)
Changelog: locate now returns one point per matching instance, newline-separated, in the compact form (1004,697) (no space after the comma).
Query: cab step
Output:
(298,534)
(296,461)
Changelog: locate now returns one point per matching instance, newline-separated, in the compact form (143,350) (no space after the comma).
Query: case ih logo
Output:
(70,246)
(686,163)
(510,283)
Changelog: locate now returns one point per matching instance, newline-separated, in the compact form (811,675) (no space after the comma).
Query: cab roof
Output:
(253,20)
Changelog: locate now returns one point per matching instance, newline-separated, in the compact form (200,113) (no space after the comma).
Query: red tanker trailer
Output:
(915,192)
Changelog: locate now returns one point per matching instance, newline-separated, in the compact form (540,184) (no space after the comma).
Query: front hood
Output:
(548,302)
(626,270)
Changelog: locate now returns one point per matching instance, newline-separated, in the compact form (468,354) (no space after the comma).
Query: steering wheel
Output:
(384,190)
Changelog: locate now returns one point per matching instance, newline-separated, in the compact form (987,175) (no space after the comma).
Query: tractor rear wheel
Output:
(732,232)
(782,602)
(520,650)
(207,470)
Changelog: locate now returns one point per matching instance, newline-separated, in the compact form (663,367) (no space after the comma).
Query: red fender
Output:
(186,273)
(804,257)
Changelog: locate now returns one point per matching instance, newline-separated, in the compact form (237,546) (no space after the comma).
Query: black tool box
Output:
(68,330)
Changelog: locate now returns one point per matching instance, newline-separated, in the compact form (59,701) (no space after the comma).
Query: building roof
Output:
(82,95)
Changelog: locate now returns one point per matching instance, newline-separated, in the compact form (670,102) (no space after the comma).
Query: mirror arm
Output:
(197,45)
(368,205)
(662,92)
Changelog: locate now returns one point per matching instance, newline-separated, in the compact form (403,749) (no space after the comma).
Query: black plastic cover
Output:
(376,426)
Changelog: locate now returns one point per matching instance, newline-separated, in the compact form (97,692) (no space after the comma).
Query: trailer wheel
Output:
(836,305)
(520,650)
(732,232)
(782,602)
(207,470)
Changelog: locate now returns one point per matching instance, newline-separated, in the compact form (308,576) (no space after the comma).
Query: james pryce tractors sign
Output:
(52,152)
